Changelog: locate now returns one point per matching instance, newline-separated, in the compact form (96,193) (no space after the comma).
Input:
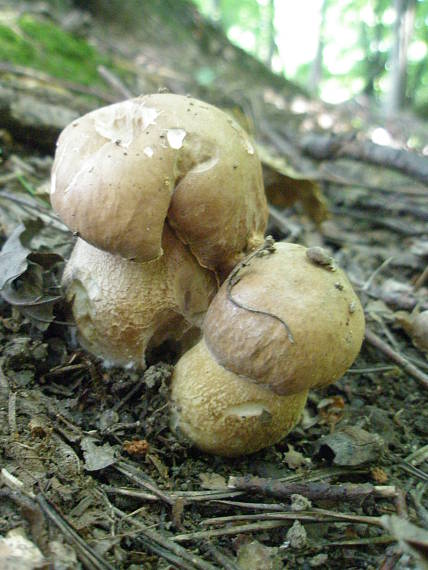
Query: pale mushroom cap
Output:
(122,307)
(225,414)
(314,302)
(122,170)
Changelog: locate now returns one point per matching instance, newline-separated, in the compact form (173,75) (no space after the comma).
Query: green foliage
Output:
(43,45)
(359,34)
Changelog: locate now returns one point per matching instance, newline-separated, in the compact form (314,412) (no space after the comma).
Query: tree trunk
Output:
(271,33)
(316,68)
(405,12)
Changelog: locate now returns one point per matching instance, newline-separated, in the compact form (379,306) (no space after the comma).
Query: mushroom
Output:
(123,308)
(121,172)
(166,195)
(286,320)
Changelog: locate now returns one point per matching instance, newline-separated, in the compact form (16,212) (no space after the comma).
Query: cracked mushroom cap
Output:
(122,308)
(291,321)
(121,171)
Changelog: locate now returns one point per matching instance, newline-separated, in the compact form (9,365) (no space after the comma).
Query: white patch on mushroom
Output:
(246,410)
(148,151)
(175,137)
(249,147)
(121,122)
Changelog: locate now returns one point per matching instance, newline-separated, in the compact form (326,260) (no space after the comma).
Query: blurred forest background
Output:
(337,48)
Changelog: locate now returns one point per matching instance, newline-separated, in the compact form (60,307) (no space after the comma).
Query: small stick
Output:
(411,369)
(87,555)
(227,531)
(145,484)
(226,562)
(421,280)
(315,515)
(12,413)
(385,539)
(189,496)
(114,82)
(313,491)
(167,543)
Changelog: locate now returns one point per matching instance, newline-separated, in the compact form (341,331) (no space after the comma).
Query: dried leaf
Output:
(294,459)
(14,253)
(97,456)
(254,555)
(412,539)
(30,276)
(351,446)
(284,186)
(212,481)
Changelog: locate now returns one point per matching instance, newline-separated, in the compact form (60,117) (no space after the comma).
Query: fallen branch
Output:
(393,355)
(312,491)
(331,147)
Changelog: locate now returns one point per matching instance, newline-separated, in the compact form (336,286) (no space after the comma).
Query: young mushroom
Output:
(166,195)
(286,320)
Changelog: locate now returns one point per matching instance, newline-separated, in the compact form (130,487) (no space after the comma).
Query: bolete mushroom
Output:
(122,171)
(123,308)
(166,195)
(286,320)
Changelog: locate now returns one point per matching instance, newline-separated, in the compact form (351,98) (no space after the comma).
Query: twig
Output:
(225,561)
(315,516)
(411,369)
(168,544)
(87,555)
(414,471)
(32,513)
(385,539)
(313,491)
(227,531)
(189,496)
(11,415)
(114,82)
(166,554)
(267,247)
(145,484)
(332,147)
(421,280)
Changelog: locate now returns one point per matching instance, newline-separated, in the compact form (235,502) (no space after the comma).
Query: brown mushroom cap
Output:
(286,291)
(226,414)
(122,170)
(123,307)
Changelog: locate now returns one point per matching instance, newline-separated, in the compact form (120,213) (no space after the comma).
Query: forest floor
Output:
(92,474)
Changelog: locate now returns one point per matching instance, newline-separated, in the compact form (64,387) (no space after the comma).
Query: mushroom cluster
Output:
(165,193)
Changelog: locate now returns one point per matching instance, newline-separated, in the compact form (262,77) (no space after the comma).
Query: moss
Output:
(43,45)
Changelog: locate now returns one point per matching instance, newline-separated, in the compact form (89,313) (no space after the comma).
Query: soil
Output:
(91,445)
